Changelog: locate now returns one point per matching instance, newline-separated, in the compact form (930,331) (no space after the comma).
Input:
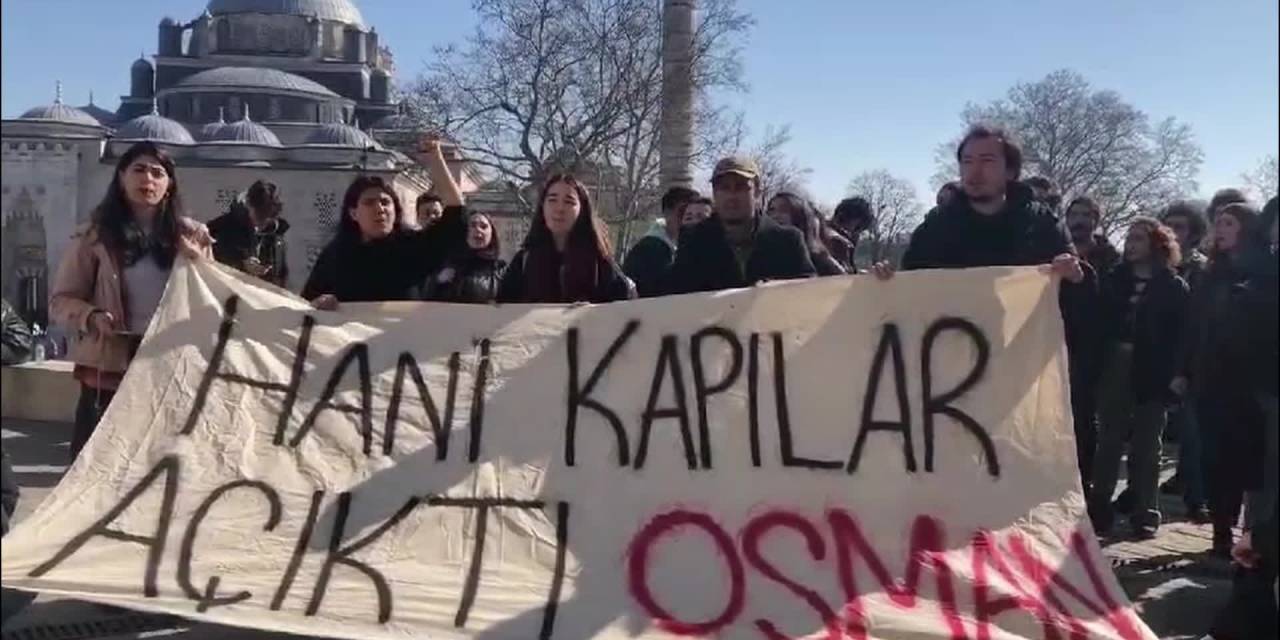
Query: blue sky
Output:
(864,85)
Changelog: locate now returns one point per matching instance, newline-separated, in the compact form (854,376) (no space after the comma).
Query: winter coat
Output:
(393,268)
(1160,316)
(705,260)
(16,337)
(236,240)
(648,261)
(954,237)
(90,279)
(466,279)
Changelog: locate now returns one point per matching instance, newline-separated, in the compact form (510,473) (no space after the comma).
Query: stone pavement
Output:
(1175,585)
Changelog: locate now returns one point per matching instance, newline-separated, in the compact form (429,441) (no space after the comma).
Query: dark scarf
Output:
(551,276)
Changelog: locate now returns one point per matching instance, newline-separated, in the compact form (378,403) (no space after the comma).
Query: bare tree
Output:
(550,85)
(896,207)
(1264,180)
(778,171)
(1091,142)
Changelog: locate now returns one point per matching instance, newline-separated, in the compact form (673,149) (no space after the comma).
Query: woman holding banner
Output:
(566,256)
(375,256)
(112,276)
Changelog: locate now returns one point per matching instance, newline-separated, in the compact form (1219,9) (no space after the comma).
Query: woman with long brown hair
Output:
(790,210)
(111,278)
(566,257)
(1145,306)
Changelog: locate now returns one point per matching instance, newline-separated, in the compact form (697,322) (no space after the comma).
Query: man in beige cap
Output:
(737,246)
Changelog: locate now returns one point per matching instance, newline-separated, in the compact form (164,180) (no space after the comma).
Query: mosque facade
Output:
(297,92)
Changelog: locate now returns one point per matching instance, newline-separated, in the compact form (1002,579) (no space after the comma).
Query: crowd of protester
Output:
(1174,332)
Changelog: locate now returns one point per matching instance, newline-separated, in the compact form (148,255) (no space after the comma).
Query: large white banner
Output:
(839,458)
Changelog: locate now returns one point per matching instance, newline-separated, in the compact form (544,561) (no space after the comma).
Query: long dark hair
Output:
(587,235)
(349,229)
(804,217)
(490,251)
(113,220)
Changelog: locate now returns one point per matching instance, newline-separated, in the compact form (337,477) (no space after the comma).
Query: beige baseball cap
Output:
(737,165)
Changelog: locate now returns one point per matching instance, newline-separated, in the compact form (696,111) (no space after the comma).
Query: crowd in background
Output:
(1176,329)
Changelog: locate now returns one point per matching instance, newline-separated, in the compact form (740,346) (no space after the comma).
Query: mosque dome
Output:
(245,131)
(343,135)
(334,10)
(156,128)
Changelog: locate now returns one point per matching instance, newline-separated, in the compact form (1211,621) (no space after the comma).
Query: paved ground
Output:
(1175,585)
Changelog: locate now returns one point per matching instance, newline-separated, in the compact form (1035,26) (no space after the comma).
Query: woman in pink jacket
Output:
(113,274)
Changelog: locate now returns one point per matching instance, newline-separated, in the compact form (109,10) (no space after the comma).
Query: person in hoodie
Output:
(1082,219)
(995,221)
(250,236)
(649,259)
(472,275)
(374,257)
(566,257)
(790,210)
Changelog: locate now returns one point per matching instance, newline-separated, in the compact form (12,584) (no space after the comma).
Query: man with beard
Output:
(738,246)
(994,221)
(1083,216)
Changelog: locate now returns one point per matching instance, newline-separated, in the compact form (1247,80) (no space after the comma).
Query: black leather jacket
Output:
(16,338)
(468,279)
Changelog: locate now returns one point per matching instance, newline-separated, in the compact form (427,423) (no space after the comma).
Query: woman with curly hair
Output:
(1145,306)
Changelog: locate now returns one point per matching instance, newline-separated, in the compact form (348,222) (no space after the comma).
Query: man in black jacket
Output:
(737,246)
(250,236)
(995,221)
(648,261)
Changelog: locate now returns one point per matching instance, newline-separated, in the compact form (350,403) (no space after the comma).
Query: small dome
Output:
(156,128)
(342,135)
(209,131)
(58,112)
(104,117)
(245,131)
(168,22)
(142,64)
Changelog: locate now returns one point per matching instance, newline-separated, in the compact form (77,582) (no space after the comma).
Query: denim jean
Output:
(1190,454)
(1137,426)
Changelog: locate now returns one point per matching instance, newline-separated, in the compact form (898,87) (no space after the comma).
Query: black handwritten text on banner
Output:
(837,458)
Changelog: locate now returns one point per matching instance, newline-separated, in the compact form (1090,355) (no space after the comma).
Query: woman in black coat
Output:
(473,275)
(1223,401)
(566,256)
(374,256)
